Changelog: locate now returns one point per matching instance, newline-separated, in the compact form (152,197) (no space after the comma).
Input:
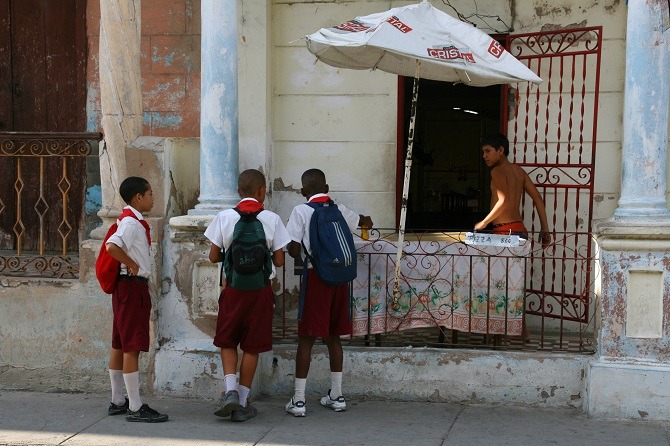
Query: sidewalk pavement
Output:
(28,418)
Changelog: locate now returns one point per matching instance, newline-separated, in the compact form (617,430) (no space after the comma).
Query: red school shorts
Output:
(325,313)
(515,228)
(245,319)
(131,305)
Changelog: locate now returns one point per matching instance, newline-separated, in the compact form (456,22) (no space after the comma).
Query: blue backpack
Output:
(333,252)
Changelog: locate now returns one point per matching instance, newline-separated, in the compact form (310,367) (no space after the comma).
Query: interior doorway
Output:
(449,186)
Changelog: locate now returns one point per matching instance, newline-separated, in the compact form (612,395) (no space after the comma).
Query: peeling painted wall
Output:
(170,65)
(613,343)
(424,374)
(57,333)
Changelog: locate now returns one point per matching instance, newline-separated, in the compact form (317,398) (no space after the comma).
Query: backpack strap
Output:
(145,225)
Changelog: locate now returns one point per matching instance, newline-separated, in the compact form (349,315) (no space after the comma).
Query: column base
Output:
(211,206)
(108,216)
(641,215)
(198,222)
(628,391)
(629,227)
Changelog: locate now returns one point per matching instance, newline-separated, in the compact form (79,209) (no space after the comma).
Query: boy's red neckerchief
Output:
(321,199)
(249,206)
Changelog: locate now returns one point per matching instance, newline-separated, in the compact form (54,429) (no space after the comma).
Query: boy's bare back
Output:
(508,181)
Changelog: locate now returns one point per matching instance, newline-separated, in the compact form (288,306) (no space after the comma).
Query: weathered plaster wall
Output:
(53,334)
(170,67)
(57,333)
(187,363)
(614,343)
(327,118)
(254,87)
(424,374)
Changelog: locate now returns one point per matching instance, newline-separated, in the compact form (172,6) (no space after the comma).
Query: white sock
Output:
(230,382)
(132,381)
(335,385)
(300,384)
(244,394)
(116,378)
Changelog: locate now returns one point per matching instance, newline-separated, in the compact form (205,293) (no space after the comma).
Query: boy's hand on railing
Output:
(545,238)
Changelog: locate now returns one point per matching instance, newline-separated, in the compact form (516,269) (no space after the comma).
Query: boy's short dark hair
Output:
(132,186)
(250,181)
(496,140)
(313,181)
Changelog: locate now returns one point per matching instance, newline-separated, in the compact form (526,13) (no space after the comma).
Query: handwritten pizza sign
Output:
(481,238)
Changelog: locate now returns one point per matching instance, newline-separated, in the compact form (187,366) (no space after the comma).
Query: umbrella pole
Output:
(405,190)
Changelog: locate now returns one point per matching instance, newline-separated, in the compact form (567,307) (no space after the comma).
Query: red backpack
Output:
(107,267)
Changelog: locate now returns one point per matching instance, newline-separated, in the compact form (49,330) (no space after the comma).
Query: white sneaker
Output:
(296,408)
(338,404)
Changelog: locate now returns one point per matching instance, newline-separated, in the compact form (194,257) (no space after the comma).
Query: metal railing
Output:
(456,295)
(42,206)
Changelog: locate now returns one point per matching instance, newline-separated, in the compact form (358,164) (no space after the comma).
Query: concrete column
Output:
(633,248)
(219,146)
(120,99)
(645,119)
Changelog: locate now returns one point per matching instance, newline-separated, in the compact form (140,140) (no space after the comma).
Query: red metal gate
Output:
(552,133)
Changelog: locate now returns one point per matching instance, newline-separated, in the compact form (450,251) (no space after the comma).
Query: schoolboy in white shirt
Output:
(245,315)
(131,302)
(325,313)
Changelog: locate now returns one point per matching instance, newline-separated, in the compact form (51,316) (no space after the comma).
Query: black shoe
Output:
(146,414)
(117,410)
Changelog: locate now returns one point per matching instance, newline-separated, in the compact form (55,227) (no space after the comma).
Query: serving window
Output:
(449,186)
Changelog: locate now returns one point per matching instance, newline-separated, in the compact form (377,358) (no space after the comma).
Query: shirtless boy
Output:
(508,183)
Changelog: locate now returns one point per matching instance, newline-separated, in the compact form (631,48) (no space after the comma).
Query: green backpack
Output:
(248,262)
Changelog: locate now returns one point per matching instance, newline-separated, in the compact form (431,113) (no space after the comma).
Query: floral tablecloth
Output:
(478,289)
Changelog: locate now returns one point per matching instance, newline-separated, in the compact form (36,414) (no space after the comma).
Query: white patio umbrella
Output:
(421,41)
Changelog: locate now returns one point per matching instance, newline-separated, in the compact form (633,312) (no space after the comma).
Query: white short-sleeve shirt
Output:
(298,222)
(132,238)
(220,231)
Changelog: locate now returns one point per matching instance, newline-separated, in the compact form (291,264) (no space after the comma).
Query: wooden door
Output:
(42,89)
